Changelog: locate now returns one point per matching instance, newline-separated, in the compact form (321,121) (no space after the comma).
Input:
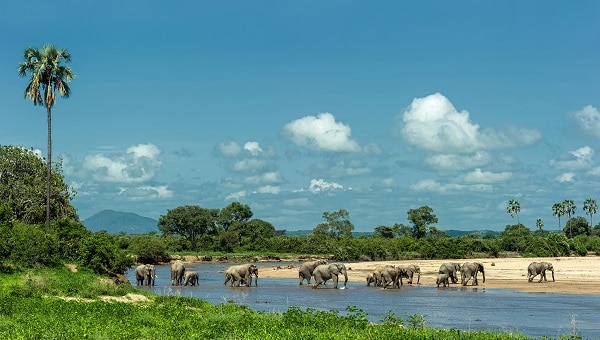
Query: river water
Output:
(464,308)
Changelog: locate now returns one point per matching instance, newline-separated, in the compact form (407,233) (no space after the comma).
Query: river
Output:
(464,308)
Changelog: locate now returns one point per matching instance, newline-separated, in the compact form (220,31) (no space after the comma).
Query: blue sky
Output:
(297,108)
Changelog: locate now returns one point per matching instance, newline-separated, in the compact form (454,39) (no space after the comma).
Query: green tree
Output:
(47,75)
(514,208)
(590,207)
(558,210)
(577,226)
(569,208)
(539,223)
(515,237)
(421,218)
(384,231)
(402,230)
(252,231)
(234,212)
(338,224)
(189,221)
(22,182)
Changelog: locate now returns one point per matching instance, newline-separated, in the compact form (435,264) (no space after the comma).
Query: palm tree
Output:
(590,207)
(514,208)
(539,223)
(569,209)
(558,210)
(47,74)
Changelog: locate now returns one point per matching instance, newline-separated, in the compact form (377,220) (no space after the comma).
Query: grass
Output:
(32,306)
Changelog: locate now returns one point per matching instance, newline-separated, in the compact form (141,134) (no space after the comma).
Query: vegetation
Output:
(47,74)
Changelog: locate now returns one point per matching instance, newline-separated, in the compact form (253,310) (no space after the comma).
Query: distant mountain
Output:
(115,222)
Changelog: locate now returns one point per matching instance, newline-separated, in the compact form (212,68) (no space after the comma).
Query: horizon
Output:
(298,109)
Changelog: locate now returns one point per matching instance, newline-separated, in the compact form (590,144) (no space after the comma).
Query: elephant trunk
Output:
(345,277)
(552,275)
(483,274)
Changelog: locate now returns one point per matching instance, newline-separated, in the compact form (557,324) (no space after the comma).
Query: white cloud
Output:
(236,195)
(478,176)
(321,133)
(249,164)
(566,177)
(297,202)
(138,165)
(430,185)
(147,192)
(229,149)
(253,147)
(588,120)
(432,123)
(268,177)
(458,162)
(579,159)
(269,189)
(595,171)
(319,185)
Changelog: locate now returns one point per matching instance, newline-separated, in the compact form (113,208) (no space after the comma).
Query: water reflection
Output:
(465,308)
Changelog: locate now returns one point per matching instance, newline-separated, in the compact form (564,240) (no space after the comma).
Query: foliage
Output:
(590,207)
(577,226)
(234,212)
(100,253)
(421,218)
(190,221)
(515,237)
(148,248)
(558,210)
(30,246)
(338,224)
(514,208)
(22,179)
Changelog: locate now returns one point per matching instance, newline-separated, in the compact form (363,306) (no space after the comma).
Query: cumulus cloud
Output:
(579,159)
(319,185)
(229,149)
(433,123)
(253,147)
(235,196)
(458,161)
(588,120)
(322,133)
(478,176)
(137,165)
(146,192)
(566,177)
(268,189)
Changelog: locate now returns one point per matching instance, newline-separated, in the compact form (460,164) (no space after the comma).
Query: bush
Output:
(30,246)
(101,254)
(149,248)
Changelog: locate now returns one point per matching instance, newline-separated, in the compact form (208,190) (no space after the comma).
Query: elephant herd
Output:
(384,276)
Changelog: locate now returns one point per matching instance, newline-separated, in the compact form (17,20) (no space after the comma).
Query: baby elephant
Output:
(442,279)
(190,277)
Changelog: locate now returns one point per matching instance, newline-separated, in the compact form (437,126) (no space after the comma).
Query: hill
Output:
(115,222)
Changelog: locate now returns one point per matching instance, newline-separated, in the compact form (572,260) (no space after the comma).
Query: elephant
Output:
(539,268)
(241,275)
(370,279)
(324,272)
(305,272)
(393,275)
(469,270)
(190,277)
(177,272)
(451,269)
(151,278)
(442,279)
(145,274)
(409,271)
(378,282)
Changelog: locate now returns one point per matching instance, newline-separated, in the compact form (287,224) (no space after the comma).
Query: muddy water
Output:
(532,314)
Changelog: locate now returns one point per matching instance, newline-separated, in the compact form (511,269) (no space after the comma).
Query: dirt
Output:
(576,275)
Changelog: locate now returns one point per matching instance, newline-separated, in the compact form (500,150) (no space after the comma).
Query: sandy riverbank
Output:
(577,275)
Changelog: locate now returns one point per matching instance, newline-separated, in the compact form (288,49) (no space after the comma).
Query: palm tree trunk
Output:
(49,170)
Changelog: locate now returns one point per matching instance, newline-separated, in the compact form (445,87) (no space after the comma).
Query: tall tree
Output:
(421,218)
(590,207)
(234,213)
(47,75)
(189,221)
(338,224)
(514,208)
(569,209)
(558,210)
(539,223)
